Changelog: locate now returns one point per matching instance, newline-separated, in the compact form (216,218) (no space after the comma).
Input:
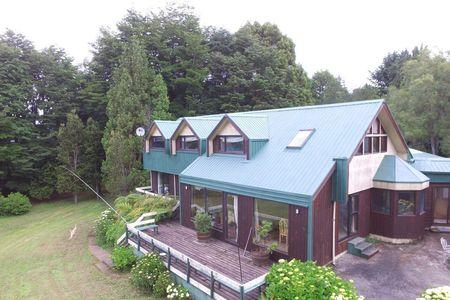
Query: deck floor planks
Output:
(218,255)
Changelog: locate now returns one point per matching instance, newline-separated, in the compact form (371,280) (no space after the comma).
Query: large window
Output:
(348,217)
(381,202)
(198,201)
(406,204)
(229,144)
(421,202)
(277,214)
(375,140)
(189,143)
(214,205)
(157,142)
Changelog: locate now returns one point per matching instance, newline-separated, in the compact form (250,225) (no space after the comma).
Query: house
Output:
(323,175)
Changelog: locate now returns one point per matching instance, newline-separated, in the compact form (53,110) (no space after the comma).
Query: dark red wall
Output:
(154,175)
(185,208)
(245,220)
(323,225)
(298,232)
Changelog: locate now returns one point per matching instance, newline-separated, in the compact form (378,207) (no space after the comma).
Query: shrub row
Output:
(14,204)
(305,280)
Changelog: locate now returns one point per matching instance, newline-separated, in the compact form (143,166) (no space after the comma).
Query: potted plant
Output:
(260,255)
(202,222)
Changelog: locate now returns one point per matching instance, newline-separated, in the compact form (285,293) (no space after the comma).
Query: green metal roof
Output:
(167,128)
(430,163)
(393,169)
(278,172)
(203,126)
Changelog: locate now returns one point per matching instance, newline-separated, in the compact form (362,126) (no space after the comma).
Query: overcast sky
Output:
(349,38)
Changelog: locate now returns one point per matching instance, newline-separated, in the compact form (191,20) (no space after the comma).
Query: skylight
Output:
(301,138)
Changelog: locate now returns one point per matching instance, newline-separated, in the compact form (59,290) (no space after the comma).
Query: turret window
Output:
(375,140)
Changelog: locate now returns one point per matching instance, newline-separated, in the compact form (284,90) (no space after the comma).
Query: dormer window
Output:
(188,143)
(229,144)
(157,142)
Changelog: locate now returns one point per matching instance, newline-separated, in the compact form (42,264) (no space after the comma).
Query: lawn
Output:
(38,261)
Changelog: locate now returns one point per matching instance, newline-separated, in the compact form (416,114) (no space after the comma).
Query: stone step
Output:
(356,241)
(369,252)
(363,246)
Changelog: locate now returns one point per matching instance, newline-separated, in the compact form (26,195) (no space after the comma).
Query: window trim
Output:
(229,152)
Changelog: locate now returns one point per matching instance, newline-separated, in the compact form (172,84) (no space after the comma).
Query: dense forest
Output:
(56,115)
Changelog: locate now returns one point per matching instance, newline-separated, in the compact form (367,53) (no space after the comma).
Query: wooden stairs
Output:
(360,247)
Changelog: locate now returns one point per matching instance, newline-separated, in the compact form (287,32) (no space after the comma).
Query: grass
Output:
(38,261)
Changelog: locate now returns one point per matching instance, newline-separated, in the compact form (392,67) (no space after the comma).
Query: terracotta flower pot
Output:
(203,236)
(260,258)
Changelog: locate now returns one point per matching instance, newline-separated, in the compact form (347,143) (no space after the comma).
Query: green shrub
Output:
(202,222)
(102,225)
(113,233)
(438,293)
(123,258)
(146,272)
(306,280)
(161,284)
(177,292)
(14,204)
(134,205)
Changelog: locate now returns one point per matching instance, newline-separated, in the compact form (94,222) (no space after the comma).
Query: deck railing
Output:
(137,238)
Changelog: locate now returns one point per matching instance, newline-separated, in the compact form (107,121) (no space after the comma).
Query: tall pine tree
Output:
(136,95)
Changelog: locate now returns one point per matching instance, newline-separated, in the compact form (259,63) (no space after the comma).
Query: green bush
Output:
(14,204)
(146,272)
(133,206)
(123,258)
(113,233)
(438,293)
(202,222)
(102,225)
(177,292)
(161,284)
(306,280)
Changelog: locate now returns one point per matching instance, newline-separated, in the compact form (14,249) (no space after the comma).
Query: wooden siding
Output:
(185,206)
(323,224)
(154,175)
(298,232)
(245,220)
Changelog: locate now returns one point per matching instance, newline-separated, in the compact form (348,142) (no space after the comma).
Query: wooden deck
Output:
(217,255)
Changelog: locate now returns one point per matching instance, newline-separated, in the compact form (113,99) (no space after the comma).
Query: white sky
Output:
(349,38)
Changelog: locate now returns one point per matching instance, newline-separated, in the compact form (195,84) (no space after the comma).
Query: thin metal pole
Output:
(240,265)
(106,202)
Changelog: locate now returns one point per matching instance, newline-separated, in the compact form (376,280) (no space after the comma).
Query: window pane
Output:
(232,217)
(343,220)
(198,201)
(235,144)
(375,126)
(376,144)
(354,208)
(360,149)
(157,142)
(222,142)
(367,145)
(406,205)
(383,144)
(190,143)
(214,205)
(421,202)
(277,214)
(381,203)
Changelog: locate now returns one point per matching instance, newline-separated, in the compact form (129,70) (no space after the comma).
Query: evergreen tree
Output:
(70,147)
(135,96)
(366,92)
(92,154)
(421,103)
(329,89)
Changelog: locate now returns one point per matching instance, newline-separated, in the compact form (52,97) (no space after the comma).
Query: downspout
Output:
(334,234)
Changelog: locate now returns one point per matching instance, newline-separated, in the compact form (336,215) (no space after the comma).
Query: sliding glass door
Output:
(231,203)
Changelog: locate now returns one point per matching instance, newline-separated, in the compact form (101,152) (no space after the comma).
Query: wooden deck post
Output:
(169,259)
(126,234)
(188,271)
(138,242)
(212,284)
(241,293)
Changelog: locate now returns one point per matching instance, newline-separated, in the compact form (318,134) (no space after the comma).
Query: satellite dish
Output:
(140,131)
